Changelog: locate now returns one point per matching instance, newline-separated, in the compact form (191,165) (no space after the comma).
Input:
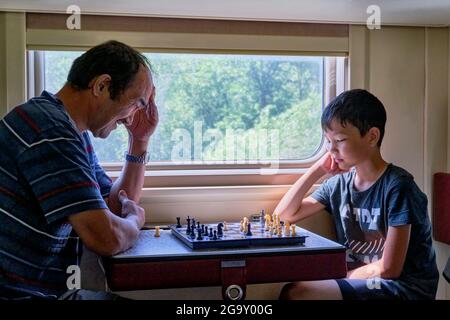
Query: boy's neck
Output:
(369,171)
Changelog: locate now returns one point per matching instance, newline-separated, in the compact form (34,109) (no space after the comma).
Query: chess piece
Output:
(225,226)
(157,233)
(249,230)
(241,228)
(199,234)
(293,231)
(279,231)
(215,235)
(203,230)
(210,232)
(192,235)
(287,229)
(261,218)
(219,230)
(178,222)
(188,229)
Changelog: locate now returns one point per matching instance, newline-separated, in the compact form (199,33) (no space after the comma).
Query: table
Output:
(165,262)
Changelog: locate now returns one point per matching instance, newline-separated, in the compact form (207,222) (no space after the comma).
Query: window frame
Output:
(206,172)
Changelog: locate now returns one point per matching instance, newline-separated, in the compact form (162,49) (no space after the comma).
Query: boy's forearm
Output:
(291,201)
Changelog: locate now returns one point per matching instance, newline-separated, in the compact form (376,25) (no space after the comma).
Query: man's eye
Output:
(340,140)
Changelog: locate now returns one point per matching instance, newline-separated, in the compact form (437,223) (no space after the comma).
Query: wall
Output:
(407,68)
(12,60)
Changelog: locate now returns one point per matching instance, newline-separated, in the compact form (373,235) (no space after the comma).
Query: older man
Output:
(53,193)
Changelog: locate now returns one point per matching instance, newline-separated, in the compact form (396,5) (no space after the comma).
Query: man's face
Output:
(121,110)
(346,145)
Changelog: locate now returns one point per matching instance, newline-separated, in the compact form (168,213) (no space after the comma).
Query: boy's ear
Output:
(374,136)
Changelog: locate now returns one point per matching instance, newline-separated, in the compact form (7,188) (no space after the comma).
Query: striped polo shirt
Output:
(48,171)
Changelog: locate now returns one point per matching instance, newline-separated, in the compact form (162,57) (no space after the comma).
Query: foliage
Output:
(217,107)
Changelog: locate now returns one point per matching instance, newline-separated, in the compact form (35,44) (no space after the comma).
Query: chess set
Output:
(265,231)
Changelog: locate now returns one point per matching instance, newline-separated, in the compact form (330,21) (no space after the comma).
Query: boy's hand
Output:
(328,165)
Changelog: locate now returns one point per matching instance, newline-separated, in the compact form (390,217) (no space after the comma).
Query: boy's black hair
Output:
(357,107)
(117,59)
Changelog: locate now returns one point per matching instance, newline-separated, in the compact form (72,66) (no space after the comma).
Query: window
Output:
(224,108)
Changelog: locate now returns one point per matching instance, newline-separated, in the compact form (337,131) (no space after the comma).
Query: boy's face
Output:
(347,146)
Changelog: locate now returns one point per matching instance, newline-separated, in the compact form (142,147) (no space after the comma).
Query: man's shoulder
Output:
(39,117)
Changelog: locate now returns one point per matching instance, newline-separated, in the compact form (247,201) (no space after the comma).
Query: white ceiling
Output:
(393,12)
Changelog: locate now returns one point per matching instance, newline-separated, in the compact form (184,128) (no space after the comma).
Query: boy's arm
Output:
(293,207)
(390,265)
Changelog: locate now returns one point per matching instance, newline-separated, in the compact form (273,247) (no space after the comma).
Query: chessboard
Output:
(218,236)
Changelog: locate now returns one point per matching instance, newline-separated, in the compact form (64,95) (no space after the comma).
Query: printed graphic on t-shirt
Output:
(362,227)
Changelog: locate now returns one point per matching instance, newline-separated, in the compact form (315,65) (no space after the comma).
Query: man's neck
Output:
(76,105)
(368,172)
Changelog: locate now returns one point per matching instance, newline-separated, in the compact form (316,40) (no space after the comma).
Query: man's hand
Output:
(144,121)
(328,165)
(129,207)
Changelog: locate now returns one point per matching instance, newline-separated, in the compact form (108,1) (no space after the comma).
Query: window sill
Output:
(216,177)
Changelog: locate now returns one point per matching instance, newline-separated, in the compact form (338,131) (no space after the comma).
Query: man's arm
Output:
(104,232)
(390,265)
(131,178)
(140,126)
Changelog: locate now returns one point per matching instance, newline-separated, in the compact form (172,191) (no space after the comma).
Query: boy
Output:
(379,212)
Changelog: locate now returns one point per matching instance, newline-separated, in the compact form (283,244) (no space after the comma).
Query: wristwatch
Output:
(143,158)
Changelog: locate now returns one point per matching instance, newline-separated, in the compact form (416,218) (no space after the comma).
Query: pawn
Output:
(225,226)
(199,234)
(293,231)
(157,233)
(249,230)
(210,232)
(287,229)
(178,222)
(192,234)
(215,235)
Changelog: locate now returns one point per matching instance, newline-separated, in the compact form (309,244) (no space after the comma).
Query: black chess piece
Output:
(178,222)
(249,230)
(198,225)
(192,234)
(210,233)
(199,234)
(219,230)
(188,229)
(203,230)
(215,235)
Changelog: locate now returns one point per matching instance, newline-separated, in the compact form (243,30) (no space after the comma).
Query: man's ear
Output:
(374,136)
(101,84)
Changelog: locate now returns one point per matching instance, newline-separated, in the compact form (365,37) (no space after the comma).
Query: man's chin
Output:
(102,134)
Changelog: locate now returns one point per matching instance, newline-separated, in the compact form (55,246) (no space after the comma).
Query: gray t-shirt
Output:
(362,220)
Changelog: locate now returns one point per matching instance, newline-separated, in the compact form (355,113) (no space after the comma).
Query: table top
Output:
(168,247)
